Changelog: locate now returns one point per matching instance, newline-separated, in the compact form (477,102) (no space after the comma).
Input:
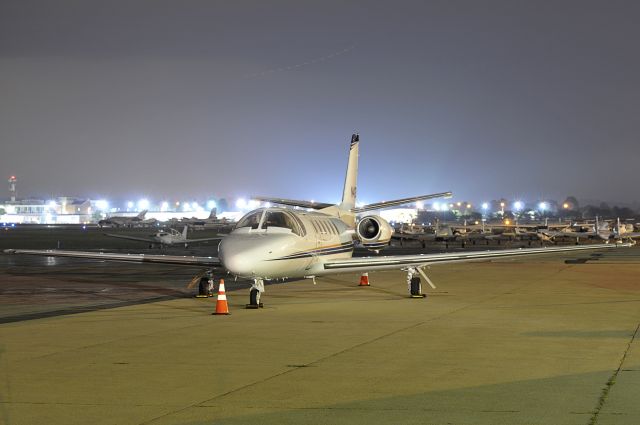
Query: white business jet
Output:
(278,243)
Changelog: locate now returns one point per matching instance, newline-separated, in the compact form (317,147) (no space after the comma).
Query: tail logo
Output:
(355,138)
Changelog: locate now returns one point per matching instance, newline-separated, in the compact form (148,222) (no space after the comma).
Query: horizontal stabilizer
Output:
(397,202)
(293,202)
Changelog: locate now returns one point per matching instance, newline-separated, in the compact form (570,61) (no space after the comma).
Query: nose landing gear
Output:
(254,294)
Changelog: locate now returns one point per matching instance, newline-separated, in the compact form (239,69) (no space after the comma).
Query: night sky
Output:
(166,99)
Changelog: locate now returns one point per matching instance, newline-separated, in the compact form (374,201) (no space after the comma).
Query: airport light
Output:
(543,206)
(129,205)
(164,206)
(143,204)
(459,204)
(485,206)
(468,206)
(565,205)
(419,205)
(102,205)
(507,222)
(186,206)
(517,205)
(241,203)
(436,206)
(52,205)
(211,204)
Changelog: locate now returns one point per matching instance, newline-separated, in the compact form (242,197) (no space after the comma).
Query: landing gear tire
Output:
(254,299)
(416,288)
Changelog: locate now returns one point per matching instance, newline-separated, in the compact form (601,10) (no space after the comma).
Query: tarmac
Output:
(536,340)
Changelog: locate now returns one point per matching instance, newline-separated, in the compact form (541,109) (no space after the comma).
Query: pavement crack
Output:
(611,381)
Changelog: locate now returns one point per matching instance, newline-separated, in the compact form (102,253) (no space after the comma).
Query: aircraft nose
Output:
(238,256)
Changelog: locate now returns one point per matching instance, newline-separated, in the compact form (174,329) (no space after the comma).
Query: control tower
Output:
(12,188)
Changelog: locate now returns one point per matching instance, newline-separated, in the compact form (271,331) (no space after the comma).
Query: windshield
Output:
(280,219)
(250,220)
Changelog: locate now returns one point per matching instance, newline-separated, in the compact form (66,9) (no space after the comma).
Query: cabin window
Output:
(332,229)
(323,227)
(303,230)
(329,229)
(337,232)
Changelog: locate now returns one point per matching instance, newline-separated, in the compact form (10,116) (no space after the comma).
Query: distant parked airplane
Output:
(165,237)
(126,221)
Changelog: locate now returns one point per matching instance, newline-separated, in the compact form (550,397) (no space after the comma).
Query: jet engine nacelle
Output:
(374,232)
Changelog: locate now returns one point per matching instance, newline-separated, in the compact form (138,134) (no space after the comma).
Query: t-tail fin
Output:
(142,214)
(350,180)
(184,232)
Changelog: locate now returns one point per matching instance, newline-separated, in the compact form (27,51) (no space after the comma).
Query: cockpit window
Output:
(250,220)
(281,219)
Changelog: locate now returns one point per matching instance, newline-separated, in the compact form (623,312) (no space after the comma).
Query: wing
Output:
(394,203)
(132,258)
(570,234)
(132,238)
(395,262)
(293,202)
(202,240)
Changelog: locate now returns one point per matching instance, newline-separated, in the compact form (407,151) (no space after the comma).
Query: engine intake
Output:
(374,232)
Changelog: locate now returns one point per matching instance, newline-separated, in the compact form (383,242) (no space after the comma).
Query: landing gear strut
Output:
(414,284)
(254,294)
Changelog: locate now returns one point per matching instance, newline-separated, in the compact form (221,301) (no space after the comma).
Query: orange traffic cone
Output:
(364,279)
(221,304)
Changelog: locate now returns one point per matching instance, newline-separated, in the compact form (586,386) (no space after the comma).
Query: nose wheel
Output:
(254,294)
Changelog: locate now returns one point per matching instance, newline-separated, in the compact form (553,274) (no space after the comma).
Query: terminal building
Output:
(62,210)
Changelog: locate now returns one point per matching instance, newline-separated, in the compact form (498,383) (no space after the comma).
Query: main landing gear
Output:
(414,284)
(254,294)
